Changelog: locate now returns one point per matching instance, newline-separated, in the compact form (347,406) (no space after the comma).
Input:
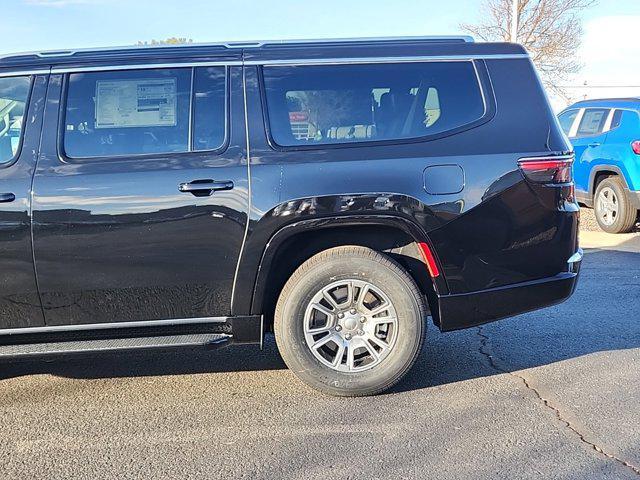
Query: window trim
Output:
(27,105)
(482,79)
(62,112)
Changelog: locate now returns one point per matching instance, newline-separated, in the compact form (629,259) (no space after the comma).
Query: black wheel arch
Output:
(293,244)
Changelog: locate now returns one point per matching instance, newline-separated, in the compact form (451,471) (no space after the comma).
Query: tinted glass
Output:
(616,120)
(209,112)
(566,120)
(13,99)
(139,112)
(592,121)
(310,105)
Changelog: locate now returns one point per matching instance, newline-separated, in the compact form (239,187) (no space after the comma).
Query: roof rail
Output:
(243,44)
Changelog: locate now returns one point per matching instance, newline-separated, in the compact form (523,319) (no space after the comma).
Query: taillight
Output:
(547,169)
(635,146)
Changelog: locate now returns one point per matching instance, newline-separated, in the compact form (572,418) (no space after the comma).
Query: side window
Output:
(566,120)
(616,120)
(14,92)
(141,112)
(314,105)
(592,121)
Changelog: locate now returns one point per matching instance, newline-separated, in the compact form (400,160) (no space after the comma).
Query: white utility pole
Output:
(514,21)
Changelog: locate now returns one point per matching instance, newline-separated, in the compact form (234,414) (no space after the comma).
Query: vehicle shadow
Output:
(602,315)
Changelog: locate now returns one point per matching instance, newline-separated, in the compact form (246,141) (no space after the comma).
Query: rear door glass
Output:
(593,121)
(142,112)
(324,104)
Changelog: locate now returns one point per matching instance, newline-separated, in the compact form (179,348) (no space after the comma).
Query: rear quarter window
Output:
(340,104)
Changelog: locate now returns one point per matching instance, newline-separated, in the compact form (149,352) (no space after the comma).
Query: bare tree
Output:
(551,30)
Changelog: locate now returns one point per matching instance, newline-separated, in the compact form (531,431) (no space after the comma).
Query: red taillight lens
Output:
(635,146)
(547,169)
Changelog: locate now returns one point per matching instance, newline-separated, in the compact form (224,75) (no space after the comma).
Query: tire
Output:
(613,210)
(359,359)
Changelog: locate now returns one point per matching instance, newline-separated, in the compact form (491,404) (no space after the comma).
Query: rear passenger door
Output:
(141,193)
(587,143)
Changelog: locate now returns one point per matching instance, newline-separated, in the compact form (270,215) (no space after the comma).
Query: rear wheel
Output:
(614,212)
(350,321)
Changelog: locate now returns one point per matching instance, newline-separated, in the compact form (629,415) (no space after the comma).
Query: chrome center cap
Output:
(350,323)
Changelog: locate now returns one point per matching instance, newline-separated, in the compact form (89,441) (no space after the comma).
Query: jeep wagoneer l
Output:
(335,192)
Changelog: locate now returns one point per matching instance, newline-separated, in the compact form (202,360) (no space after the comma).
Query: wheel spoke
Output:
(349,299)
(384,320)
(361,296)
(339,354)
(379,309)
(351,357)
(326,339)
(371,350)
(381,343)
(329,298)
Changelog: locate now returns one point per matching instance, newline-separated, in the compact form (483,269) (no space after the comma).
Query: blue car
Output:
(606,138)
(605,135)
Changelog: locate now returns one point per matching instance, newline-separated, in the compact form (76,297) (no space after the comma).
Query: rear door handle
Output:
(594,144)
(7,197)
(204,188)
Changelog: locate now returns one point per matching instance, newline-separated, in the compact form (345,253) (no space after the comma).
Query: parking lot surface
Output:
(550,394)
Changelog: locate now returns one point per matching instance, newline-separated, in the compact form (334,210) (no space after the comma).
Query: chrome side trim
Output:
(249,199)
(104,326)
(359,60)
(275,62)
(235,45)
(261,332)
(576,257)
(143,66)
(565,158)
(20,73)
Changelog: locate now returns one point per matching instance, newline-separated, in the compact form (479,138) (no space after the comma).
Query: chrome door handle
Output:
(7,197)
(204,188)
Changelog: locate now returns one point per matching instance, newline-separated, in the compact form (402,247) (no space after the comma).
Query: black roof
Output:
(443,45)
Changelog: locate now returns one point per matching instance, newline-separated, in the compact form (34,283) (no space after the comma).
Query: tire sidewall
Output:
(300,359)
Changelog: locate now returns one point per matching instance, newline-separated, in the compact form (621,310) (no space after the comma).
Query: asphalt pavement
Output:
(552,394)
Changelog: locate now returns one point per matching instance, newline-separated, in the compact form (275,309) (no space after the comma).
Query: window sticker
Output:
(136,103)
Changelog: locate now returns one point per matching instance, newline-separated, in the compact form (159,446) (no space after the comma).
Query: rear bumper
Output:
(469,309)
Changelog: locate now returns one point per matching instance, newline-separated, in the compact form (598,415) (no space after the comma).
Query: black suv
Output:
(335,192)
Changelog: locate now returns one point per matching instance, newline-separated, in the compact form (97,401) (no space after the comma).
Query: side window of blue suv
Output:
(593,121)
(566,120)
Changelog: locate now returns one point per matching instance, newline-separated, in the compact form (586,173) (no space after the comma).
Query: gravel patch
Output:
(588,221)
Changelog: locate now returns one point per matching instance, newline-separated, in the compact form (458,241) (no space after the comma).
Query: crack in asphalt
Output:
(485,350)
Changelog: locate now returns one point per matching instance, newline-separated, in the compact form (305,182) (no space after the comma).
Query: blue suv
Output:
(606,137)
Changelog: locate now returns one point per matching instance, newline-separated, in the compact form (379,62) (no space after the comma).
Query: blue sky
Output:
(610,52)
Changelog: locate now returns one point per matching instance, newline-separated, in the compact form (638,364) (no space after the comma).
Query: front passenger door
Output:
(141,202)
